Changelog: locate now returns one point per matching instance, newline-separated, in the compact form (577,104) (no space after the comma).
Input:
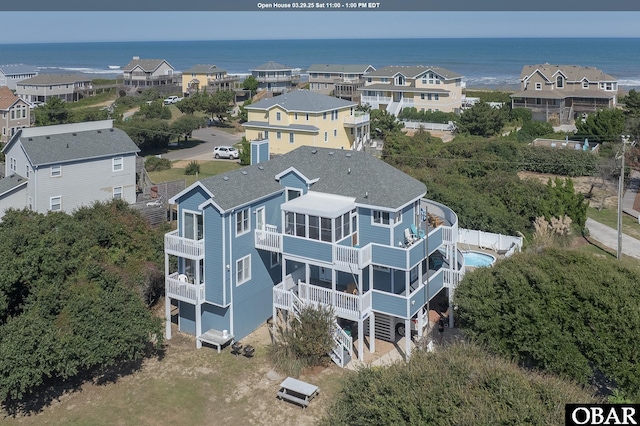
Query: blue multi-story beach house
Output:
(313,226)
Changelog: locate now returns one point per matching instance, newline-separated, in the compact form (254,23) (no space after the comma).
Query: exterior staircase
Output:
(342,351)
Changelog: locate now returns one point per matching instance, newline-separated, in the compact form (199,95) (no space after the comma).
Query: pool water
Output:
(478,259)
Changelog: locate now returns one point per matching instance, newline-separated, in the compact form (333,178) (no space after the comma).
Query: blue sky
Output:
(143,26)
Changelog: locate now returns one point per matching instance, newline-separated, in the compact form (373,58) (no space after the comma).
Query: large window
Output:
(242,222)
(343,226)
(192,226)
(386,218)
(243,270)
(117,192)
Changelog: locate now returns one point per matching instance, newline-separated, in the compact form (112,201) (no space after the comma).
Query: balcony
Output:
(183,247)
(356,119)
(269,239)
(184,291)
(375,99)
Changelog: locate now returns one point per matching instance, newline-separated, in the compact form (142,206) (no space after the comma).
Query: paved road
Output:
(609,237)
(212,137)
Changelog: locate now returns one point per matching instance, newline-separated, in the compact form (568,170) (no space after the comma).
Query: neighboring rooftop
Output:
(147,65)
(571,72)
(302,100)
(354,174)
(18,69)
(49,79)
(272,66)
(11,182)
(412,71)
(338,68)
(7,98)
(69,142)
(204,69)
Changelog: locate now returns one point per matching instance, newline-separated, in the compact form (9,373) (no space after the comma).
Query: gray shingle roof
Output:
(342,172)
(18,69)
(11,182)
(338,68)
(204,69)
(571,72)
(147,65)
(412,71)
(271,66)
(72,146)
(49,79)
(302,100)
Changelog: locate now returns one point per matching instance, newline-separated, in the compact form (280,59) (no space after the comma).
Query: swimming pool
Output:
(478,259)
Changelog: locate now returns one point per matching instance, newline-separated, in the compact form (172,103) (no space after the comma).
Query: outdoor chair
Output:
(408,237)
(415,231)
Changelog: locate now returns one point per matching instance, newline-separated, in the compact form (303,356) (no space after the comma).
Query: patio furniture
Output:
(248,351)
(408,237)
(297,391)
(415,231)
(216,338)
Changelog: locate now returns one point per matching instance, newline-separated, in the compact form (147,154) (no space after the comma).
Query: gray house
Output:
(41,88)
(64,167)
(275,78)
(12,74)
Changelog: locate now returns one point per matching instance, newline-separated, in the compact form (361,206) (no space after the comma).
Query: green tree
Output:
(632,103)
(244,114)
(154,110)
(250,83)
(185,124)
(553,311)
(482,120)
(218,104)
(74,295)
(245,152)
(54,111)
(384,124)
(534,129)
(191,104)
(605,125)
(149,135)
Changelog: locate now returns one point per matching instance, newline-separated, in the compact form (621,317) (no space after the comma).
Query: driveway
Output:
(212,137)
(609,237)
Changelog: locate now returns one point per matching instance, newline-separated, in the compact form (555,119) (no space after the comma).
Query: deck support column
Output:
(360,340)
(198,324)
(420,321)
(372,332)
(167,310)
(407,337)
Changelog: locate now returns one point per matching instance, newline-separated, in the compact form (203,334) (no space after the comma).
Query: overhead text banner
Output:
(342,6)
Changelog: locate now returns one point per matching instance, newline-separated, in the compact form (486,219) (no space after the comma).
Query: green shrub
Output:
(456,385)
(156,164)
(192,168)
(304,341)
(562,311)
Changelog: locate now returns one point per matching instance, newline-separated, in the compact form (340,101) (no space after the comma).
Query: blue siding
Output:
(191,201)
(273,214)
(259,151)
(368,233)
(311,249)
(436,283)
(292,180)
(399,280)
(389,256)
(250,313)
(214,266)
(389,304)
(419,299)
(417,252)
(215,317)
(435,240)
(187,321)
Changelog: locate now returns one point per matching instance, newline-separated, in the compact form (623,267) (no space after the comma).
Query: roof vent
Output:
(47,137)
(314,151)
(74,134)
(30,139)
(349,155)
(67,145)
(111,130)
(225,178)
(330,152)
(260,168)
(349,171)
(366,194)
(244,172)
(99,131)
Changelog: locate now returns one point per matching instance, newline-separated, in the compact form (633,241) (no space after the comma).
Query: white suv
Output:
(226,152)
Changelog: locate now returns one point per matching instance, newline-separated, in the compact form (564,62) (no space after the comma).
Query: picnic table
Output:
(297,391)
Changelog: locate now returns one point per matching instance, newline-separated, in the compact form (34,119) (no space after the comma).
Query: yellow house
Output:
(425,88)
(302,117)
(207,77)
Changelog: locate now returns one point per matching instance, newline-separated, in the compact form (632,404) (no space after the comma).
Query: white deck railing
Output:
(187,292)
(183,247)
(345,305)
(358,257)
(357,119)
(269,239)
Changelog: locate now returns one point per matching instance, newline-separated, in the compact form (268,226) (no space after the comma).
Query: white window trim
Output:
(248,220)
(247,258)
(59,203)
(538,86)
(115,162)
(395,218)
(59,167)
(121,192)
(277,262)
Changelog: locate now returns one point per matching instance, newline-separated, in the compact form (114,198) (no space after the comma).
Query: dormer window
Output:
(538,86)
(585,84)
(559,82)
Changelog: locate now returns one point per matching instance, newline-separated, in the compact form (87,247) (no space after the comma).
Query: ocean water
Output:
(485,63)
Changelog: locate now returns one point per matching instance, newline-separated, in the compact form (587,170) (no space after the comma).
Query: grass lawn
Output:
(190,386)
(609,217)
(207,168)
